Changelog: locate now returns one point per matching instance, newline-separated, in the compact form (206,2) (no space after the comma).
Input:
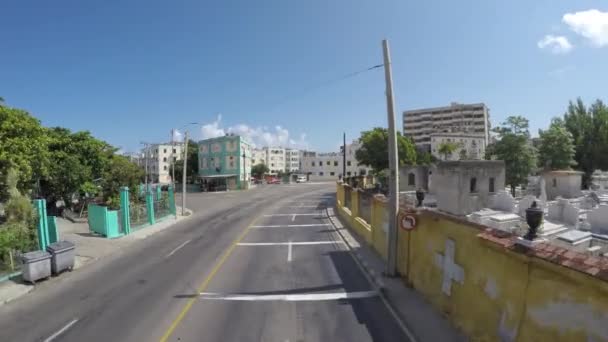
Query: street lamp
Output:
(244,170)
(185,160)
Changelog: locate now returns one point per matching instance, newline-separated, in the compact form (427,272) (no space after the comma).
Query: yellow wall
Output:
(506,295)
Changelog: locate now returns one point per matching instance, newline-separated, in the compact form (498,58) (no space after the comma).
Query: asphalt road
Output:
(244,268)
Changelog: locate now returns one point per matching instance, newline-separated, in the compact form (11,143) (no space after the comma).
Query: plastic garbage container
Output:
(62,256)
(36,266)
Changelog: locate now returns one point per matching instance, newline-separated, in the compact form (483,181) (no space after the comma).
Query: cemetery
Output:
(535,265)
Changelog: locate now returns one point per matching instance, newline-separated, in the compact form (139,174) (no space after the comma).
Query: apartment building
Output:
(157,160)
(468,119)
(328,166)
(225,163)
(469,146)
(278,159)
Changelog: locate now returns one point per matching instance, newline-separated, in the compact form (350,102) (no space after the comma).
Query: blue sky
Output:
(129,71)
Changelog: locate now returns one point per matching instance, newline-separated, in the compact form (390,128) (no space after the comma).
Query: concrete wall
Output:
(452,182)
(491,288)
(420,177)
(566,184)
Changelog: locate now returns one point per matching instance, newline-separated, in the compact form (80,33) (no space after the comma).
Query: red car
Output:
(274,181)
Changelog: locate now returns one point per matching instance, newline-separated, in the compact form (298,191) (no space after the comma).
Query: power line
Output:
(324,84)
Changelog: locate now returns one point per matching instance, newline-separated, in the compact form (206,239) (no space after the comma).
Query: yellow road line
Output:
(206,282)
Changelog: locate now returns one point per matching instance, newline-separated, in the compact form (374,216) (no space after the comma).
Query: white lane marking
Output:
(61,331)
(294,214)
(289,251)
(404,328)
(293,218)
(310,297)
(293,225)
(177,248)
(302,206)
(301,243)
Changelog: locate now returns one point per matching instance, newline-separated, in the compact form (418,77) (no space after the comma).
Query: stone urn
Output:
(534,217)
(419,197)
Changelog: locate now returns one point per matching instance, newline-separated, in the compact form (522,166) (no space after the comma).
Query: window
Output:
(156,151)
(312,163)
(320,163)
(165,159)
(348,173)
(411,179)
(321,173)
(554,183)
(348,163)
(491,186)
(335,163)
(164,150)
(473,185)
(332,173)
(174,159)
(174,151)
(165,167)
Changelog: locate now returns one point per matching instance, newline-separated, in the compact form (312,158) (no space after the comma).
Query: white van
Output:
(301,179)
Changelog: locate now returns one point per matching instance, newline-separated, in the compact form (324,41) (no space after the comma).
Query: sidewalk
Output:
(419,316)
(89,248)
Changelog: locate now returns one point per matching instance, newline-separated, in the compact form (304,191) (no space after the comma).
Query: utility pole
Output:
(146,160)
(343,156)
(184,174)
(173,157)
(393,162)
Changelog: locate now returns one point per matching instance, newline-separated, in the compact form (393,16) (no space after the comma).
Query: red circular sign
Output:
(407,222)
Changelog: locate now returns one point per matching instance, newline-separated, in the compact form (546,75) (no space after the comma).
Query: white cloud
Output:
(591,24)
(258,136)
(177,136)
(557,44)
(213,130)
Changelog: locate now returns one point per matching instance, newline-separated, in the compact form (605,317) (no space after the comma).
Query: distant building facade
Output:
(278,159)
(328,166)
(471,146)
(157,159)
(420,124)
(221,162)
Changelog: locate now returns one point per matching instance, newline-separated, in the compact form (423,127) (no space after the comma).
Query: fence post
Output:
(125,208)
(158,193)
(43,231)
(52,227)
(150,206)
(172,200)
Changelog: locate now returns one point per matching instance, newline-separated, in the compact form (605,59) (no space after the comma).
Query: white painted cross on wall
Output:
(451,271)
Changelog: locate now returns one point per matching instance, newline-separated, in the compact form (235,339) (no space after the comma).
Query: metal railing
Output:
(138,215)
(162,208)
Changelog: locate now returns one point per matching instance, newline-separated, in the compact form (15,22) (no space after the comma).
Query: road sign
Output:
(407,222)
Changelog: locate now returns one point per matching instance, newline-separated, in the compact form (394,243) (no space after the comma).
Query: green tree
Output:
(23,146)
(589,129)
(425,158)
(192,163)
(446,149)
(514,148)
(120,172)
(556,150)
(259,170)
(374,149)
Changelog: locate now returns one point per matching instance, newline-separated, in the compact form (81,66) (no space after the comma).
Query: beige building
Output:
(420,124)
(328,166)
(471,146)
(158,158)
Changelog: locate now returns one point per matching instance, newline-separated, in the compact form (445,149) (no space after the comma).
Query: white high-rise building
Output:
(278,159)
(159,158)
(467,119)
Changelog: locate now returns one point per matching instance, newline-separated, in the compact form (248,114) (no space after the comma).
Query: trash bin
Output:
(36,266)
(62,256)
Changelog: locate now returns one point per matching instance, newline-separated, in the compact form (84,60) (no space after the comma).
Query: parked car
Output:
(274,181)
(301,179)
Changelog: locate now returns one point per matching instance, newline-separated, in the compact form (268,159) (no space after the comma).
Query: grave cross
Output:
(451,271)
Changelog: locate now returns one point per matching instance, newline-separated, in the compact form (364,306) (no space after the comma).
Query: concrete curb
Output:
(376,278)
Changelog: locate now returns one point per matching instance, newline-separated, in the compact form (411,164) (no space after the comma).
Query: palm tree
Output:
(446,149)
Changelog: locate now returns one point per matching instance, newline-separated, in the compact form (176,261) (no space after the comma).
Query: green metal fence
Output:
(138,215)
(162,206)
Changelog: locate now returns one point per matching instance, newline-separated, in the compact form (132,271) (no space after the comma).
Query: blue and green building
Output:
(224,163)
